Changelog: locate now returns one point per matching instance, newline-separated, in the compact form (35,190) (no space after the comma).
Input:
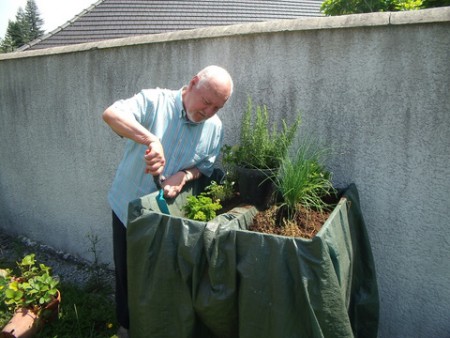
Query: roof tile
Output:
(109,19)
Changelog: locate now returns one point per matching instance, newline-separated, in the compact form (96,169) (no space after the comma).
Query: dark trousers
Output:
(120,262)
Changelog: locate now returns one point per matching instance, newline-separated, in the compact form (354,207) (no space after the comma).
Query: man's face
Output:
(204,100)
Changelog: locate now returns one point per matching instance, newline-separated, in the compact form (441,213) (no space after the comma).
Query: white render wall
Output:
(373,87)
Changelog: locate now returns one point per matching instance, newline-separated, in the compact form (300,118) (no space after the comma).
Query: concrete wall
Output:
(374,88)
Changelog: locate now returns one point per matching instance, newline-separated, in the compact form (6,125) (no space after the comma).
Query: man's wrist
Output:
(188,174)
(152,140)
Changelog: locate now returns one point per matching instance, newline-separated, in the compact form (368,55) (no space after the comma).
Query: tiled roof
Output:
(109,19)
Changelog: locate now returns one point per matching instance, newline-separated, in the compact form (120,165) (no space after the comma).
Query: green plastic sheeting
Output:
(216,279)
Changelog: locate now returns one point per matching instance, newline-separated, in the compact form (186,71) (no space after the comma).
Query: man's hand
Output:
(174,184)
(154,158)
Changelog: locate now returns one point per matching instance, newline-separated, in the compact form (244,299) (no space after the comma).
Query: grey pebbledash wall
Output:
(373,87)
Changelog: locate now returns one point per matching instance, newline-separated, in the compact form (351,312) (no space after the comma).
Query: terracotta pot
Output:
(25,323)
(50,312)
(22,324)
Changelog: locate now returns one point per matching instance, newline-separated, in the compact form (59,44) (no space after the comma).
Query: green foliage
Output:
(96,279)
(407,5)
(221,192)
(303,180)
(201,207)
(84,313)
(33,21)
(260,146)
(342,7)
(26,28)
(33,288)
(4,281)
(435,3)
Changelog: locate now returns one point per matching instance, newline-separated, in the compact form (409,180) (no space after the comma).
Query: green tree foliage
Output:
(435,3)
(33,21)
(26,28)
(342,7)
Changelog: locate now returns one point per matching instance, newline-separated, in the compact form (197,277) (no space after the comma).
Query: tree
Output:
(26,28)
(435,3)
(341,7)
(7,44)
(33,21)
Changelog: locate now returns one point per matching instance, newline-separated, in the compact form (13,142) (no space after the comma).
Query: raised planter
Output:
(217,279)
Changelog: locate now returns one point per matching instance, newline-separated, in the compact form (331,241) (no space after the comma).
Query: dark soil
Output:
(306,223)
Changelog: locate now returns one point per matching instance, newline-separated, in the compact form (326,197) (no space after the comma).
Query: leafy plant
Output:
(221,192)
(33,288)
(342,7)
(85,312)
(3,284)
(96,280)
(303,180)
(201,207)
(261,145)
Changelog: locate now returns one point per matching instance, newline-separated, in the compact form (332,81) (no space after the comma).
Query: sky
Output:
(54,12)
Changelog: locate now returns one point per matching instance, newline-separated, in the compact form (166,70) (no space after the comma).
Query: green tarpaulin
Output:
(216,279)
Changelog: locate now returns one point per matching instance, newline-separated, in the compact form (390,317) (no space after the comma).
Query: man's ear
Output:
(194,81)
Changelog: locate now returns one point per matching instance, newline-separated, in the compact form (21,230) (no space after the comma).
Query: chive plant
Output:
(303,180)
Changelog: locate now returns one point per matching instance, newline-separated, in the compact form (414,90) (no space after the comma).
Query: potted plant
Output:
(306,195)
(258,155)
(32,296)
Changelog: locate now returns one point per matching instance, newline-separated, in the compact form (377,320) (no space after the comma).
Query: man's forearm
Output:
(125,125)
(192,174)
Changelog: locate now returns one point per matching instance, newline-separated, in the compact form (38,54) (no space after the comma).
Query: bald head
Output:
(218,79)
(207,93)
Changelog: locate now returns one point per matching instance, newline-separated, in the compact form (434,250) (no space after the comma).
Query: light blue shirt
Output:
(186,145)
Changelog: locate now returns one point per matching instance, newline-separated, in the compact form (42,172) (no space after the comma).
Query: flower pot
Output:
(255,186)
(26,323)
(22,325)
(51,310)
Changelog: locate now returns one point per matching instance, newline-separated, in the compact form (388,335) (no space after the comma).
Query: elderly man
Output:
(173,133)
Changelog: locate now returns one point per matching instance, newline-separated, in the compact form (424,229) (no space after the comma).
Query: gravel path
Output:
(67,267)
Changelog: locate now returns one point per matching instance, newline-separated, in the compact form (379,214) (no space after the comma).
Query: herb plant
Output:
(201,207)
(261,145)
(33,288)
(221,192)
(303,180)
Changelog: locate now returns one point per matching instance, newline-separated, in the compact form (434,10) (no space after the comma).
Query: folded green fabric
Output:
(217,279)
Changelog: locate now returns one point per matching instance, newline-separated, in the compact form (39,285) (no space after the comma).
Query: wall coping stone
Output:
(432,15)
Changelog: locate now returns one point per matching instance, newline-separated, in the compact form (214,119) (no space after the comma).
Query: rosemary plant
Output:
(261,145)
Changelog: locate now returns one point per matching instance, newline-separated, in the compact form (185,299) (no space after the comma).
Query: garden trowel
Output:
(162,204)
